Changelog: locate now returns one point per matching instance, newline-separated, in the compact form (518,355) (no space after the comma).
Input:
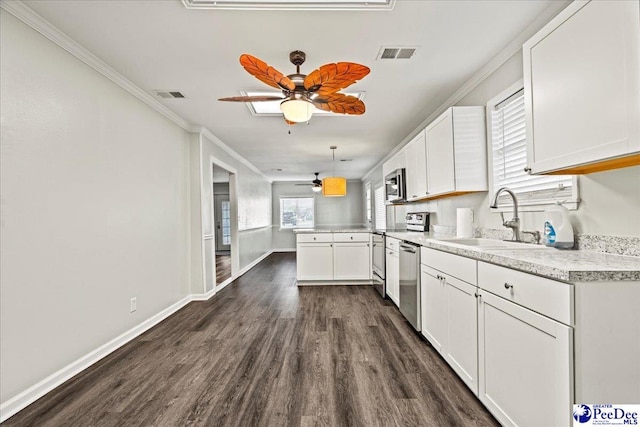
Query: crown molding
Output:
(217,141)
(482,74)
(28,16)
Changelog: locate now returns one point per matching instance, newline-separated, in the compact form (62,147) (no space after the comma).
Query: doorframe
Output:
(233,213)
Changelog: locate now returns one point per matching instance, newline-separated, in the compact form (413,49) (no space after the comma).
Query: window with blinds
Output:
(380,210)
(509,157)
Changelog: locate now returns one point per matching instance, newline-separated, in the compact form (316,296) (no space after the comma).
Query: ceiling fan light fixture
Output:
(316,188)
(297,110)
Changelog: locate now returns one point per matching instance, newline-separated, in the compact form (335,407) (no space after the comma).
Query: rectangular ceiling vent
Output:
(396,52)
(169,94)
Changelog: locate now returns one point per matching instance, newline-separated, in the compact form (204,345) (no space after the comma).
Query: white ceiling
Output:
(161,45)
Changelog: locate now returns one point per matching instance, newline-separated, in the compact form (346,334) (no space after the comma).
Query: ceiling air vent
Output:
(168,94)
(396,52)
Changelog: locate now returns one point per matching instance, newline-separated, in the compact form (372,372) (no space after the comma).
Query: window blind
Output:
(509,158)
(380,209)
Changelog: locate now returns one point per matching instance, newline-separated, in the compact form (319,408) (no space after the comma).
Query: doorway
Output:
(222,223)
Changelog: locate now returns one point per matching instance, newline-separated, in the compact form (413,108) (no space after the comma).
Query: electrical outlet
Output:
(134,305)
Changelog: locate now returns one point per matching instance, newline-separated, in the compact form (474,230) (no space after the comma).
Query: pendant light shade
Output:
(334,186)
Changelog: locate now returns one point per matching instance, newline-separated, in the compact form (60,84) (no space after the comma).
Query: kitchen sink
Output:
(483,243)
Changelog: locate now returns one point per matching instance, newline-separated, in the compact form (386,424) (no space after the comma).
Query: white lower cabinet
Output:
(314,261)
(433,296)
(461,350)
(351,261)
(333,256)
(449,311)
(393,274)
(525,364)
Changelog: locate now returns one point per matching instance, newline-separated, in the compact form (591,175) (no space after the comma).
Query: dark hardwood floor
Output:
(223,267)
(264,352)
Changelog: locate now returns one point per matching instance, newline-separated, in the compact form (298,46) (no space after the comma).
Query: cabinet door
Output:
(582,74)
(434,307)
(416,171)
(351,261)
(393,276)
(525,364)
(314,261)
(440,165)
(461,351)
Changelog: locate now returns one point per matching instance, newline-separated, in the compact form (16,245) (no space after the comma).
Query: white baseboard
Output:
(35,392)
(254,263)
(284,250)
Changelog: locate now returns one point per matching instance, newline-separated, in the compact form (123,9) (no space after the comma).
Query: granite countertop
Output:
(345,229)
(566,265)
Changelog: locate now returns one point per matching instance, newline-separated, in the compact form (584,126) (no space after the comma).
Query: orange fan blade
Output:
(333,77)
(340,103)
(252,98)
(266,73)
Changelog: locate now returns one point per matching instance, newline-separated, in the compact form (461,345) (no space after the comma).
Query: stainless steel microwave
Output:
(394,186)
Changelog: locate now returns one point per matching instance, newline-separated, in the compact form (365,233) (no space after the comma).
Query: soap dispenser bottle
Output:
(558,231)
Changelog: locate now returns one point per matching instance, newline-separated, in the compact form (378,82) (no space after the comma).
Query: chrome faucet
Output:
(513,223)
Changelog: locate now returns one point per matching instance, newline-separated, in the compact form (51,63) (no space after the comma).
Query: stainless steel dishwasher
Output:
(410,283)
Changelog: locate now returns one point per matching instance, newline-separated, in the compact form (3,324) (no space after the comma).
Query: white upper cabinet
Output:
(457,152)
(416,171)
(582,89)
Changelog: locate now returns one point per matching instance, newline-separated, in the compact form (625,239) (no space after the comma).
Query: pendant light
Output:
(334,186)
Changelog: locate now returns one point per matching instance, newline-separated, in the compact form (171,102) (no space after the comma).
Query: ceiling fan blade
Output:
(266,73)
(330,78)
(252,98)
(340,103)
(289,122)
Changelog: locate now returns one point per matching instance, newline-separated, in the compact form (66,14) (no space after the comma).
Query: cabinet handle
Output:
(508,286)
(314,238)
(351,237)
(527,169)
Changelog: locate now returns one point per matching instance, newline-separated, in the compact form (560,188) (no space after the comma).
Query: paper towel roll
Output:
(464,223)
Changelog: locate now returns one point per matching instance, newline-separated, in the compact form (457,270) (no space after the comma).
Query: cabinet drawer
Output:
(314,237)
(350,237)
(544,296)
(453,265)
(392,243)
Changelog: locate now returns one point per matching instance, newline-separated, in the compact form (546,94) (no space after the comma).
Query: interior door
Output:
(223,222)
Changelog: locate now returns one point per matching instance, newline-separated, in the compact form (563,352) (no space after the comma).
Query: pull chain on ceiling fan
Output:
(301,93)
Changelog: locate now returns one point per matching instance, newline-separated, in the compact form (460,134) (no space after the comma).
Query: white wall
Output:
(329,211)
(95,205)
(610,200)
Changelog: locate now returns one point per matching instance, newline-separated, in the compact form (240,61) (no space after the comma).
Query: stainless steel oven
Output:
(378,273)
(394,186)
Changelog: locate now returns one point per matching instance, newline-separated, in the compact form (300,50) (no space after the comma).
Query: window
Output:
(367,191)
(226,223)
(296,212)
(380,208)
(508,157)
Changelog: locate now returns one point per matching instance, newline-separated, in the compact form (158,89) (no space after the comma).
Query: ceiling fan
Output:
(316,184)
(301,92)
